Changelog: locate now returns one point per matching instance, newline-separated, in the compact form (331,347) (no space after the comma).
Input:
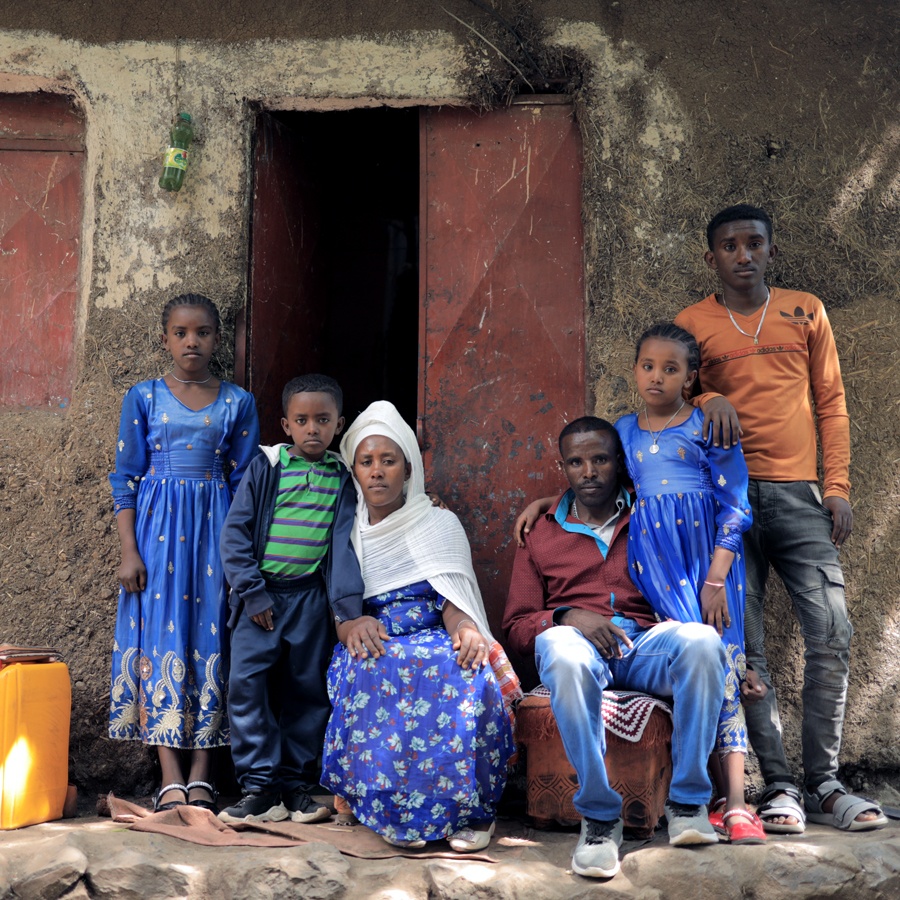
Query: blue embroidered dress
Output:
(691,498)
(177,468)
(416,744)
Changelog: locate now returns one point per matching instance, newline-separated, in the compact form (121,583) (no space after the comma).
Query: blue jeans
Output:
(792,531)
(683,661)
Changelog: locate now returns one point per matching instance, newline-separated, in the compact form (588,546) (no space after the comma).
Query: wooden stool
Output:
(640,771)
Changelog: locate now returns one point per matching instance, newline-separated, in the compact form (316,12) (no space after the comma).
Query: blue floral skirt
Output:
(417,745)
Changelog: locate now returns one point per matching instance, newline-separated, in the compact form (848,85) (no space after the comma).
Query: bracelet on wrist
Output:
(715,583)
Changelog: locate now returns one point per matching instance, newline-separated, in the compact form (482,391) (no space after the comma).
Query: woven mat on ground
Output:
(200,826)
(625,713)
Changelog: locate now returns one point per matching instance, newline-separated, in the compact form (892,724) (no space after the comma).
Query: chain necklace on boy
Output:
(762,318)
(654,447)
(187,381)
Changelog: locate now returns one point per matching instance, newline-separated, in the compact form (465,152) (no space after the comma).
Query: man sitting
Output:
(572,603)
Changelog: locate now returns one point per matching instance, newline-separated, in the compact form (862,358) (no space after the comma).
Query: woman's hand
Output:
(132,572)
(471,646)
(363,637)
(714,606)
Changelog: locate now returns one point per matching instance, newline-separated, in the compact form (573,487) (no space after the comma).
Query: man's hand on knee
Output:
(599,630)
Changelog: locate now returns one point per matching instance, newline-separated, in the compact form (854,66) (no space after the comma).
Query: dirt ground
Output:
(792,106)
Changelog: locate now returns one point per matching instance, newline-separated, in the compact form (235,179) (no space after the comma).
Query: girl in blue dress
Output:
(685,546)
(420,735)
(184,442)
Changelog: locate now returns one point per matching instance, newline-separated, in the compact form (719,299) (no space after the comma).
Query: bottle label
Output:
(176,158)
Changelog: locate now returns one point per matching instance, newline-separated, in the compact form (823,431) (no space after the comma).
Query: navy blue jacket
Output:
(246,530)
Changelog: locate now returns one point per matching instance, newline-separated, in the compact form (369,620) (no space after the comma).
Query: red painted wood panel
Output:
(40,229)
(503,316)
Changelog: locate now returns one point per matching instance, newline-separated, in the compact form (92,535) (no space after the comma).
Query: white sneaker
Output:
(468,840)
(597,852)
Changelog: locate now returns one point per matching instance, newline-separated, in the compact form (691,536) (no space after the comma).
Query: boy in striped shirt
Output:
(287,555)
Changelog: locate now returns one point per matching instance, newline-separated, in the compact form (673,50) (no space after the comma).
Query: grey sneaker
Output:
(597,853)
(689,825)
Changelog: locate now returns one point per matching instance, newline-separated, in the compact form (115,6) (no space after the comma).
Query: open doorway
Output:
(432,257)
(334,257)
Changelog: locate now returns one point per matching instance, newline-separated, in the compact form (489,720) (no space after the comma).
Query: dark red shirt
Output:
(558,568)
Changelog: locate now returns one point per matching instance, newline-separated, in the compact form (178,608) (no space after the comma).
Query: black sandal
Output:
(204,804)
(175,786)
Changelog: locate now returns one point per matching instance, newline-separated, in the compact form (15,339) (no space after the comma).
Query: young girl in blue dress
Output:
(685,546)
(184,442)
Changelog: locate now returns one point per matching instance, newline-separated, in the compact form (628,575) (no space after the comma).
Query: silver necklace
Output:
(654,447)
(575,509)
(187,381)
(762,318)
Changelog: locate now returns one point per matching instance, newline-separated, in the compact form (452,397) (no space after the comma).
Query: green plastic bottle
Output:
(176,160)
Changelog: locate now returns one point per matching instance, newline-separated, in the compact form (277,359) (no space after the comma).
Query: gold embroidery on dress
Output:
(121,446)
(207,420)
(682,452)
(722,481)
(165,419)
(640,456)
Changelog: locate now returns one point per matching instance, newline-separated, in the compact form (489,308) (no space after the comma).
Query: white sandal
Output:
(781,800)
(470,840)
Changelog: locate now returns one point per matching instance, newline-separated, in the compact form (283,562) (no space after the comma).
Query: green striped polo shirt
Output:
(304,511)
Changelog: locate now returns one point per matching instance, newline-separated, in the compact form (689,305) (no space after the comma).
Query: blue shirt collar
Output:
(623,501)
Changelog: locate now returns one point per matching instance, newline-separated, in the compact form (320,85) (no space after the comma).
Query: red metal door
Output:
(502,323)
(40,228)
(284,334)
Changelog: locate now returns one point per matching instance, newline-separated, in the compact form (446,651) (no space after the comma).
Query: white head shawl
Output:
(417,542)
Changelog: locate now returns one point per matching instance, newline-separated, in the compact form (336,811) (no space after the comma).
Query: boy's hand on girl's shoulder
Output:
(264,619)
(721,422)
(841,517)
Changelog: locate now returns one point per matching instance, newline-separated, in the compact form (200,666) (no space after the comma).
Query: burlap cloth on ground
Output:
(200,826)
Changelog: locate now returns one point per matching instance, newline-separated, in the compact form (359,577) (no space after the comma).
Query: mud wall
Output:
(683,109)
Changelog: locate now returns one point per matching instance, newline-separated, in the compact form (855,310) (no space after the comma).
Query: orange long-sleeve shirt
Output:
(773,386)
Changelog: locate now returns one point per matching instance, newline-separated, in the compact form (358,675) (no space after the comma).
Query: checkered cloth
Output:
(625,713)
